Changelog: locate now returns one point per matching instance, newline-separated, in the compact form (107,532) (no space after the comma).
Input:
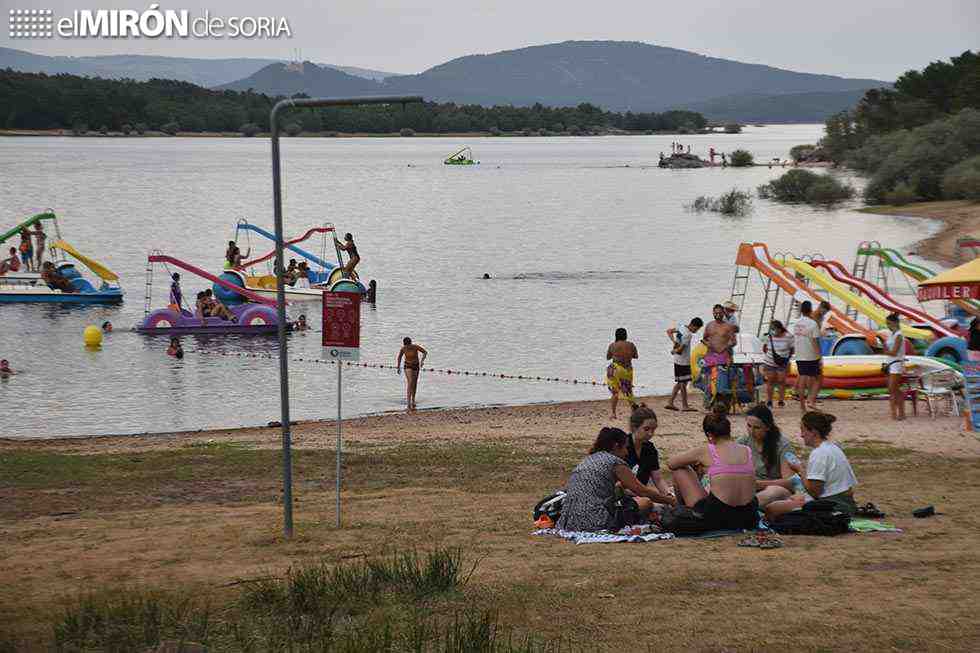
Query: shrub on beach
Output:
(901,195)
(249,129)
(798,185)
(126,129)
(140,128)
(962,181)
(407,131)
(733,128)
(79,129)
(170,128)
(734,202)
(293,129)
(740,159)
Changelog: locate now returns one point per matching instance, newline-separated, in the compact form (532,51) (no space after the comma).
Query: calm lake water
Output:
(580,235)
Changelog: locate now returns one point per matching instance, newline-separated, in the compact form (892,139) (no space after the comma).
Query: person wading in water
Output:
(413,366)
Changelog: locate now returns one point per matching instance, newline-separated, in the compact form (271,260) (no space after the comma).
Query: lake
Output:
(580,236)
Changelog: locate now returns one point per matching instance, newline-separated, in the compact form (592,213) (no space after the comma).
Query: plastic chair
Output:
(909,388)
(941,386)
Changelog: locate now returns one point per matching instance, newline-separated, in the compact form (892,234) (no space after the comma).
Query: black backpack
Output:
(551,505)
(816,518)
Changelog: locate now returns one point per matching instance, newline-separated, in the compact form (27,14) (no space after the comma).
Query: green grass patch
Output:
(43,482)
(405,602)
(875,450)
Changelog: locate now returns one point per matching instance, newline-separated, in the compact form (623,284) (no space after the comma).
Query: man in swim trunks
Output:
(619,373)
(26,250)
(234,256)
(41,238)
(413,365)
(176,295)
(719,338)
(5,370)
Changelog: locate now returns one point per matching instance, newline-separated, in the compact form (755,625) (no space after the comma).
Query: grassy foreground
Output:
(116,551)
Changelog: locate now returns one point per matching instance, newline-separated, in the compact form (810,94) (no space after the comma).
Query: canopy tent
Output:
(962,282)
(26,224)
(97,268)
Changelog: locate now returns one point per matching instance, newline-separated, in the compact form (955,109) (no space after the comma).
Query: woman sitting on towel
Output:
(772,456)
(731,503)
(592,485)
(829,476)
(641,454)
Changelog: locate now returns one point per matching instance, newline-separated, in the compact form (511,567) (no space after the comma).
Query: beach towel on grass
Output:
(872,526)
(605,537)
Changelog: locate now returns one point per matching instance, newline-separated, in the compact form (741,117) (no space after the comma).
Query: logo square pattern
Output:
(31,24)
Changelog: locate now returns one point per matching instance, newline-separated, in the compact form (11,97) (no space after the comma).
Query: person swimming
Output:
(5,369)
(175,349)
(107,327)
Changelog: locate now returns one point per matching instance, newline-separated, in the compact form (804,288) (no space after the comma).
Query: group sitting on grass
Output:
(724,484)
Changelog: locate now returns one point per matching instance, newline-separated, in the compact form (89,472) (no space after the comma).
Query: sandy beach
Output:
(960,218)
(200,511)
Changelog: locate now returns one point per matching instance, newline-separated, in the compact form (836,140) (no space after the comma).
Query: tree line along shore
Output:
(34,101)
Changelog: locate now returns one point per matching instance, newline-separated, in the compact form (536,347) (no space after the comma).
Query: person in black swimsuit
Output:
(352,257)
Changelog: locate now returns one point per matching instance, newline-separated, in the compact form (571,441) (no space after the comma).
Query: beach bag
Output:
(551,505)
(681,520)
(780,361)
(625,511)
(816,518)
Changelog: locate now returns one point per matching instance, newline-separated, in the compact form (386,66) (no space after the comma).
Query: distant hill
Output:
(788,107)
(615,75)
(309,78)
(203,72)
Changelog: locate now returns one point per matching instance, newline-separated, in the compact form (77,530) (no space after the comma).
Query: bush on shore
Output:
(249,129)
(407,131)
(170,128)
(734,202)
(733,128)
(962,181)
(293,129)
(901,195)
(919,157)
(740,159)
(806,186)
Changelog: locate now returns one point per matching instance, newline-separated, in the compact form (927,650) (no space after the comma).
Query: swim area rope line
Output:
(448,372)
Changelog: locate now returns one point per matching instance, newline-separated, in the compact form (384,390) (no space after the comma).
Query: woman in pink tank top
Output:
(731,504)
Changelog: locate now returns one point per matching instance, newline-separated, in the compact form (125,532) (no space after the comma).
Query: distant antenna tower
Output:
(296,65)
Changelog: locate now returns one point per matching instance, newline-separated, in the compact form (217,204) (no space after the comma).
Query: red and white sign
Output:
(342,325)
(949,291)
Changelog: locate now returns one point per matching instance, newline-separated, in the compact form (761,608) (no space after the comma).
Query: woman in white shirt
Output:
(778,349)
(895,350)
(829,476)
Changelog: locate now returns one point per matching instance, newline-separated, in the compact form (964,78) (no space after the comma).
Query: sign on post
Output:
(342,339)
(342,325)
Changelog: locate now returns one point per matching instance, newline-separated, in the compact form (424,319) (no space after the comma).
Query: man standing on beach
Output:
(806,343)
(413,367)
(719,338)
(619,374)
(819,313)
(681,351)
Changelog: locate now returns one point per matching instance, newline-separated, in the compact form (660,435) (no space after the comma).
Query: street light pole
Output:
(277,110)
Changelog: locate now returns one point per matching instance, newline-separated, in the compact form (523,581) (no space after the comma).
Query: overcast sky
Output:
(854,38)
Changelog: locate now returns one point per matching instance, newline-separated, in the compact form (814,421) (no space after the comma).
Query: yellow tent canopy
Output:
(97,268)
(966,273)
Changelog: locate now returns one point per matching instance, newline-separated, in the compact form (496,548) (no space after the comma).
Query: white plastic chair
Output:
(941,386)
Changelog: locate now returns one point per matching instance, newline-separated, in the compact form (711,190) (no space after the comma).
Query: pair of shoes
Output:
(781,404)
(870,511)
